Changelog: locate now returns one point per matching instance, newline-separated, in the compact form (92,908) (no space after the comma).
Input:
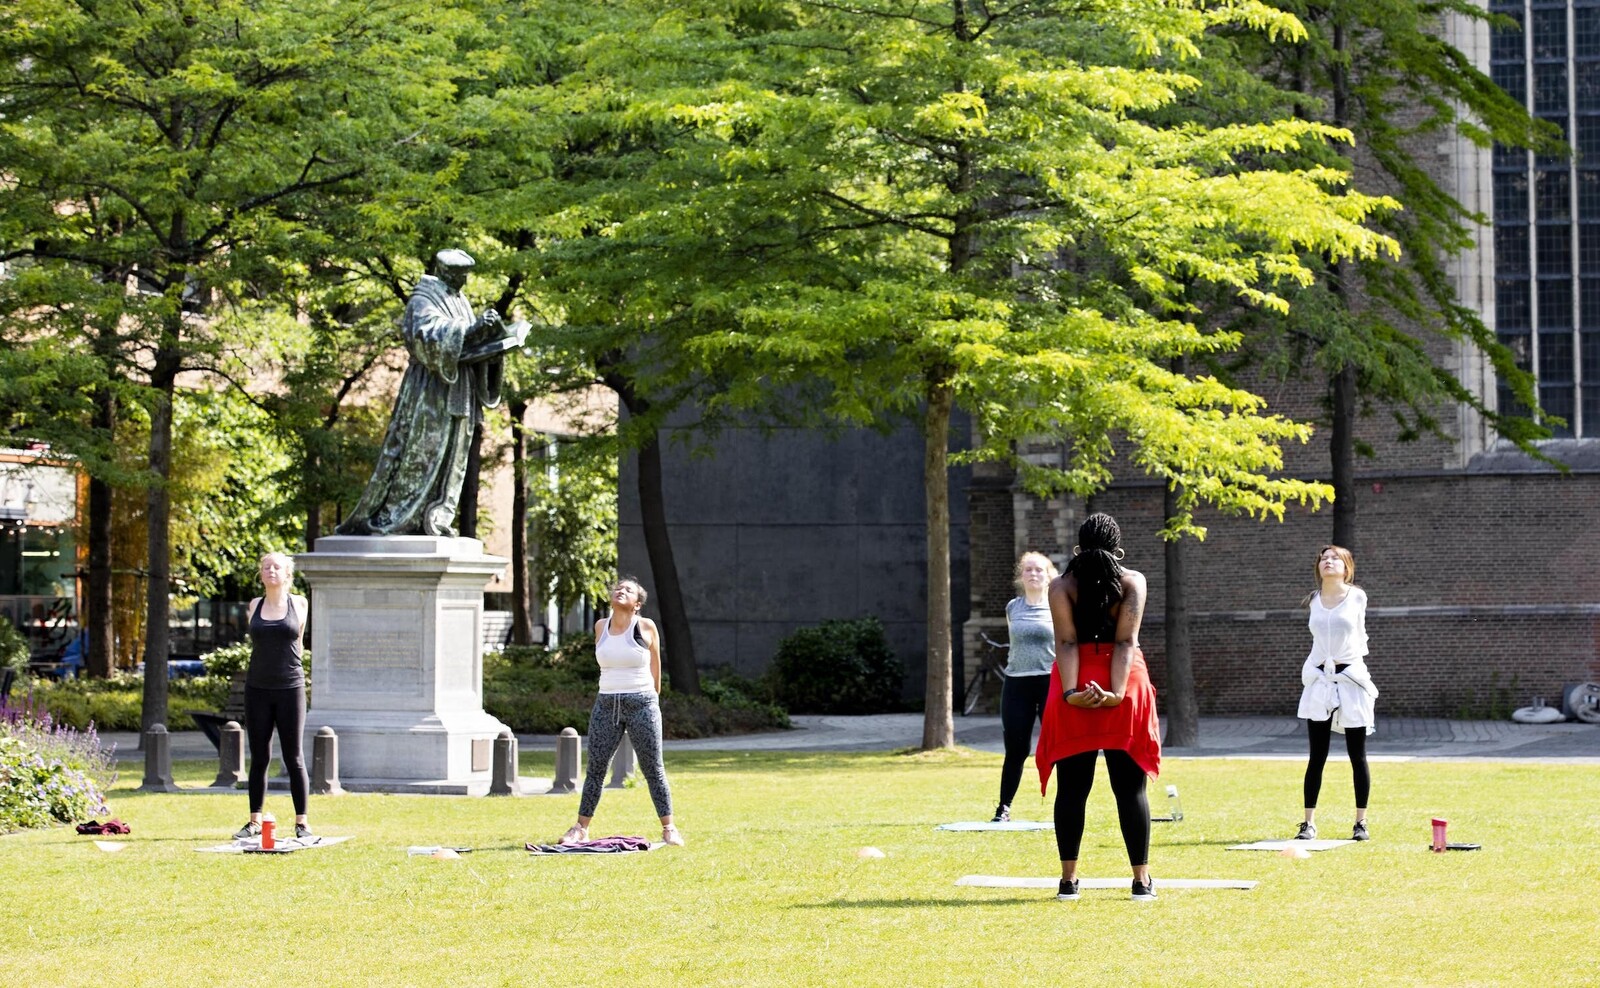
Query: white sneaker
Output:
(576,834)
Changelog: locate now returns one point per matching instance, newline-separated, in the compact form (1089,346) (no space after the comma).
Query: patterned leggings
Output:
(639,715)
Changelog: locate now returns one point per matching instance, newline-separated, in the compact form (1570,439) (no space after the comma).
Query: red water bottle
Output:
(268,823)
(1439,843)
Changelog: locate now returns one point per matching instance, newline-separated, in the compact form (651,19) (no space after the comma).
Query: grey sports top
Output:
(1033,638)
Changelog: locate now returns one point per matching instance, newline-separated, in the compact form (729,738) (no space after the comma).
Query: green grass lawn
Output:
(770,890)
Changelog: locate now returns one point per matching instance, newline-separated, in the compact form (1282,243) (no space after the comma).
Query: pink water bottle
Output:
(268,824)
(1439,843)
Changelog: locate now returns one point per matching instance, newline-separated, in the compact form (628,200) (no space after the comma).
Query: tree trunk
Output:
(679,657)
(678,649)
(521,599)
(313,470)
(938,722)
(158,515)
(1343,452)
(98,605)
(1183,708)
(468,526)
(1343,434)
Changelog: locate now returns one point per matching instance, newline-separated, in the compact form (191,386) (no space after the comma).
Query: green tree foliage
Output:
(180,148)
(324,357)
(573,516)
(950,205)
(14,650)
(229,504)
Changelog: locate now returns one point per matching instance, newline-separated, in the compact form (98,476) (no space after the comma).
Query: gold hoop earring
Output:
(1076,550)
(1118,554)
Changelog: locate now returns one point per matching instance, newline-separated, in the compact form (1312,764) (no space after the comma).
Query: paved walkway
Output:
(1231,737)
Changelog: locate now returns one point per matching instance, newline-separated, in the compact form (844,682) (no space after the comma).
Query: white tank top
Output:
(624,663)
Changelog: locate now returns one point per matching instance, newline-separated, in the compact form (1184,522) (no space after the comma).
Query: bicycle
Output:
(991,665)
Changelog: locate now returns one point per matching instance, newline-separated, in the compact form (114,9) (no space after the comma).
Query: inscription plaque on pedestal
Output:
(377,660)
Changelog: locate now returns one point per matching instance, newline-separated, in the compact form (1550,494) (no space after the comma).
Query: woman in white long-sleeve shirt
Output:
(1339,692)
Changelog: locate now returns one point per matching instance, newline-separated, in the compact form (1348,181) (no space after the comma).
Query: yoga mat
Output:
(429,849)
(986,825)
(1162,884)
(287,845)
(1279,845)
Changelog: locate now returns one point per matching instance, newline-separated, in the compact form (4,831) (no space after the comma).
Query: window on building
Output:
(1547,209)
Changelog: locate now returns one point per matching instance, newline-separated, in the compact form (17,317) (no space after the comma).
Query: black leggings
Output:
(1021,706)
(1355,742)
(1074,779)
(284,710)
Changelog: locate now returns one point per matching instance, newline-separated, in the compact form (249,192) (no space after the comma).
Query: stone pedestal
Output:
(397,660)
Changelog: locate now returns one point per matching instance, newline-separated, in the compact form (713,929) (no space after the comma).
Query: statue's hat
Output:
(453,258)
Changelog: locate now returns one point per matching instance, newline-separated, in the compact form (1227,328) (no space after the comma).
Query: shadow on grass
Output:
(860,825)
(1015,900)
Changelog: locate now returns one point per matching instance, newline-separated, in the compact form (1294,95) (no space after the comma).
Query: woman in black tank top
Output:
(275,690)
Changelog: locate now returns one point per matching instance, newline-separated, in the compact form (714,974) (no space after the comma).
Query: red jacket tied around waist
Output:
(1129,726)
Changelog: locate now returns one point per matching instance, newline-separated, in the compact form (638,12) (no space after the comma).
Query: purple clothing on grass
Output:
(603,845)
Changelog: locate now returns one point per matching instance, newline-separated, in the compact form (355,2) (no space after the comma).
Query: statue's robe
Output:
(416,484)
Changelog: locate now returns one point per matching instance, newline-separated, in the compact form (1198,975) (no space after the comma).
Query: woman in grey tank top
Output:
(1027,678)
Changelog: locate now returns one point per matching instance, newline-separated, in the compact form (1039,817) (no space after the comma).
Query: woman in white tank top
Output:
(628,648)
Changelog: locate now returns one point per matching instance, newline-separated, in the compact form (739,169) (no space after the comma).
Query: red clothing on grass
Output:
(1129,726)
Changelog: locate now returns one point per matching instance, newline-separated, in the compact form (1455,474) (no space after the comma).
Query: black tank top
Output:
(275,651)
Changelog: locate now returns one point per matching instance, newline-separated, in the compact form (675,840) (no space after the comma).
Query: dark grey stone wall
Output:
(774,531)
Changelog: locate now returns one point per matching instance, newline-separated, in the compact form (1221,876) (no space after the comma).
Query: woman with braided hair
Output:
(1100,700)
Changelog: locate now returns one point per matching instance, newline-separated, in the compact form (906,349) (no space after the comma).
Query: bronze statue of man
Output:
(455,368)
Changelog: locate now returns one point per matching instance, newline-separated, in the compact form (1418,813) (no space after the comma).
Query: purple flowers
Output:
(49,773)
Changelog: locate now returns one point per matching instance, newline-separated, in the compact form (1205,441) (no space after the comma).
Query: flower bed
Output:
(50,773)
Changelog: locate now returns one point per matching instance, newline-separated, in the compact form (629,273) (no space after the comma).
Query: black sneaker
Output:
(1002,814)
(1143,891)
(249,830)
(1068,890)
(1359,832)
(1308,831)
(303,830)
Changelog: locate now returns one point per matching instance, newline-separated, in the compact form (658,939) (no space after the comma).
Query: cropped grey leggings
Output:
(639,714)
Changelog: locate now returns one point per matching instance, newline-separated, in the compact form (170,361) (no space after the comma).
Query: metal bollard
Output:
(157,760)
(325,763)
(622,764)
(504,782)
(568,748)
(230,757)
